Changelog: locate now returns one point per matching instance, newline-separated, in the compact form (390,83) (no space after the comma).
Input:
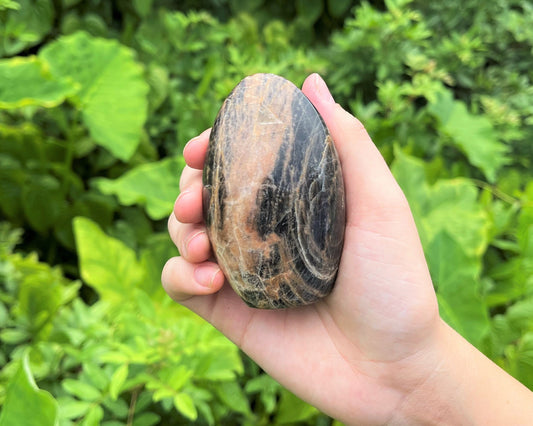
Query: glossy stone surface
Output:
(274,195)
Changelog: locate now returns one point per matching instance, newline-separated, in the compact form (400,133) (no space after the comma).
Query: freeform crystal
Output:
(273,195)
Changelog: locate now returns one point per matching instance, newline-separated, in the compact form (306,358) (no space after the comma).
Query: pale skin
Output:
(373,352)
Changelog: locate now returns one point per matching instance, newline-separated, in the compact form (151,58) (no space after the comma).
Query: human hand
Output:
(364,353)
(381,314)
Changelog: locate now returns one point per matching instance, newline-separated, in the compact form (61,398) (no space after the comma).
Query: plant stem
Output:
(133,403)
(496,192)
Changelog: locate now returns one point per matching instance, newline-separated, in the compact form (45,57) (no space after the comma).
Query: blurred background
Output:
(97,100)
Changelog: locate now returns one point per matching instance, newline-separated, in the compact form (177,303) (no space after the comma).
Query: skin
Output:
(373,352)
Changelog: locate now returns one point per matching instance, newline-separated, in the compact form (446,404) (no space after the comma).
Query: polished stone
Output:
(274,195)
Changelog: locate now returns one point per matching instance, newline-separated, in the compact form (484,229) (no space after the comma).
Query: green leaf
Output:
(268,389)
(118,408)
(337,8)
(520,315)
(143,7)
(473,134)
(14,336)
(185,405)
(94,416)
(448,205)
(309,10)
(158,249)
(70,408)
(26,81)
(456,278)
(523,362)
(9,4)
(106,263)
(113,93)
(94,373)
(219,364)
(292,409)
(232,395)
(82,390)
(117,381)
(12,178)
(154,185)
(454,230)
(41,201)
(146,419)
(25,25)
(25,404)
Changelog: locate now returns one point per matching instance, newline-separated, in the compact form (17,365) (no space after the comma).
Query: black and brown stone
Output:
(274,195)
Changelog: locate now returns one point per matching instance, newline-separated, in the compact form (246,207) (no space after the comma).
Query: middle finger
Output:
(190,239)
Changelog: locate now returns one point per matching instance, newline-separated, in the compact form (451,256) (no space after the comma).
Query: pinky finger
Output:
(182,280)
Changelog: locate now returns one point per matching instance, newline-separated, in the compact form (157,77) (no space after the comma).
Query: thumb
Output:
(370,187)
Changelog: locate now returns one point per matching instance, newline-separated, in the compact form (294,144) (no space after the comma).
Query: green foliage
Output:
(25,404)
(23,24)
(112,92)
(474,135)
(25,81)
(454,231)
(97,100)
(100,361)
(153,185)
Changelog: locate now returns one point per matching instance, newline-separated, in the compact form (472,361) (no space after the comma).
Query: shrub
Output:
(97,100)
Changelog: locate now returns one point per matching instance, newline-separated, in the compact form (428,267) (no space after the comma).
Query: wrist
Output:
(436,399)
(463,387)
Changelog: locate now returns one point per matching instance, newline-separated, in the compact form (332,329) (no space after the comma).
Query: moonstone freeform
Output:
(273,195)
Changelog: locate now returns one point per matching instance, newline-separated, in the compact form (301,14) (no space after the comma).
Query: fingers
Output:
(191,274)
(182,279)
(194,151)
(369,184)
(190,239)
(188,206)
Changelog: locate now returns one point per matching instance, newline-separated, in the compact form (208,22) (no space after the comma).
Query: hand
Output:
(366,352)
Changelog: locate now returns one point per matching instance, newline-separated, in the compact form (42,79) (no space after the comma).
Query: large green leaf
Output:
(25,403)
(454,229)
(26,81)
(106,264)
(154,185)
(113,93)
(456,279)
(448,205)
(154,254)
(473,134)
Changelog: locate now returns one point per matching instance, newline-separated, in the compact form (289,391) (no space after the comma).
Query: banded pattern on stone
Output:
(274,195)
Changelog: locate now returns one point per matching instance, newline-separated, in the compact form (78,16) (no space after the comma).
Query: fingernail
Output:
(322,89)
(196,138)
(205,275)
